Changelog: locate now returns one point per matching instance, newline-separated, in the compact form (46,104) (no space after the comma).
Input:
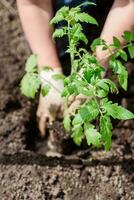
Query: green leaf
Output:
(97,42)
(112,85)
(58,18)
(77,134)
(85,113)
(65,92)
(31,63)
(90,111)
(123,79)
(92,135)
(116,42)
(106,131)
(75,64)
(84,17)
(68,90)
(77,120)
(67,123)
(30,85)
(58,77)
(123,54)
(103,101)
(128,36)
(58,33)
(117,112)
(102,88)
(83,90)
(131,51)
(77,34)
(61,15)
(94,109)
(121,71)
(102,83)
(45,89)
(101,93)
(83,38)
(116,66)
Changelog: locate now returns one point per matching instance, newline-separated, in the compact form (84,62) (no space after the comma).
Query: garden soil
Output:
(27,170)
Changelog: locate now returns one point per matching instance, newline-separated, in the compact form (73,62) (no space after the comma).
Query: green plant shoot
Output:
(91,120)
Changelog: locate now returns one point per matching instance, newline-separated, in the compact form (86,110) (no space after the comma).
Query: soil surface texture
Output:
(28,171)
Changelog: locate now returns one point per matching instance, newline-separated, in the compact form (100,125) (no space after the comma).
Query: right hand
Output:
(51,105)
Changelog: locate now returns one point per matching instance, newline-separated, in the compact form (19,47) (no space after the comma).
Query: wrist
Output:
(48,75)
(51,61)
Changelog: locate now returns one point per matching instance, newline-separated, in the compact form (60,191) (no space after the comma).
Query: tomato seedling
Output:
(87,78)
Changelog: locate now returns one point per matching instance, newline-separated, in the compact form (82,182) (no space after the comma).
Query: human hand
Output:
(50,106)
(74,102)
(102,56)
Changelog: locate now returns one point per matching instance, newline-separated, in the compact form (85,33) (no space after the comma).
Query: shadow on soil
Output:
(42,160)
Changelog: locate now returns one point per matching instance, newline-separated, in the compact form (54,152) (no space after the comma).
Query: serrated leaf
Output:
(84,113)
(112,85)
(30,85)
(45,89)
(116,66)
(89,112)
(102,83)
(67,123)
(61,14)
(97,42)
(121,71)
(84,17)
(65,92)
(83,38)
(83,90)
(131,51)
(77,33)
(77,134)
(117,112)
(58,33)
(31,64)
(128,36)
(103,101)
(123,79)
(123,54)
(106,131)
(58,77)
(92,136)
(77,120)
(68,90)
(116,42)
(101,93)
(94,109)
(58,18)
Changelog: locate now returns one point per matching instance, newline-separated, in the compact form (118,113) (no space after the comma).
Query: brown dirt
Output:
(26,172)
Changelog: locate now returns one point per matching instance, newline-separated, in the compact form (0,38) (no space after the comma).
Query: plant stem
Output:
(71,53)
(112,53)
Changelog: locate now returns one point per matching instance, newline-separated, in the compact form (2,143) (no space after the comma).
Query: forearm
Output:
(120,19)
(35,16)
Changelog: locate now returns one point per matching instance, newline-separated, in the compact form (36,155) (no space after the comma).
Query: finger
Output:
(73,107)
(59,114)
(71,99)
(42,126)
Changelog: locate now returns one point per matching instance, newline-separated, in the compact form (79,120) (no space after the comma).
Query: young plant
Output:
(87,80)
